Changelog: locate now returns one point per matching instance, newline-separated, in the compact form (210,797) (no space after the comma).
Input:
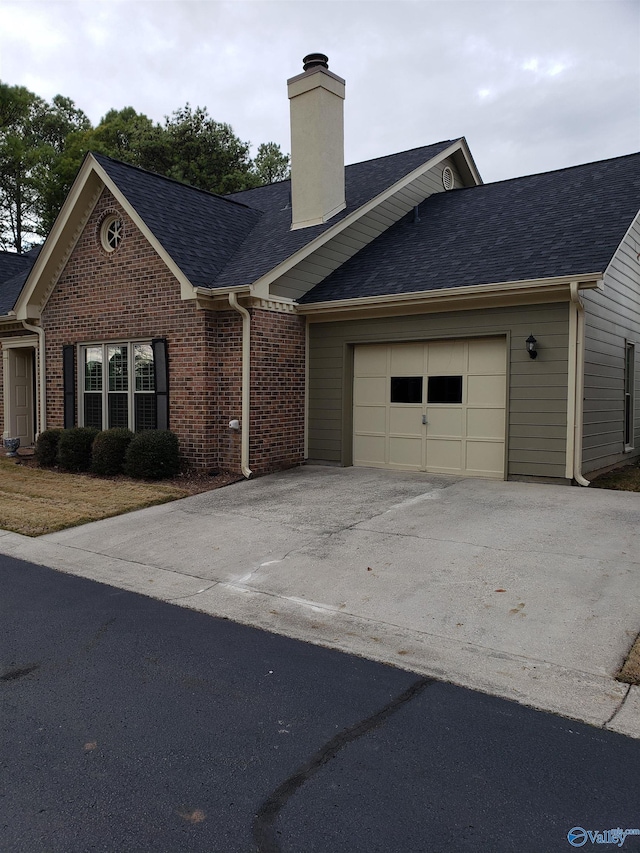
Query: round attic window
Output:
(448,180)
(111,233)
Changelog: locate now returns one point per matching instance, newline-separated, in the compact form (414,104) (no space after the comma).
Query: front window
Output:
(118,386)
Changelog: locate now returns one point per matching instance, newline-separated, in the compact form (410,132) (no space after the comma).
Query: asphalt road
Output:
(133,725)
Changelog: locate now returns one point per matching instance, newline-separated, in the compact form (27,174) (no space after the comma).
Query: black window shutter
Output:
(69,385)
(161,368)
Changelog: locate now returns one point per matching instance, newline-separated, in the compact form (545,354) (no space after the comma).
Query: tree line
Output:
(43,144)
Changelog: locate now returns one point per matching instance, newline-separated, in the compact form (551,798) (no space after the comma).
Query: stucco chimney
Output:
(317,143)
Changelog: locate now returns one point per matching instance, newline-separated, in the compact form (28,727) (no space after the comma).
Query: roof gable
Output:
(272,241)
(567,222)
(199,230)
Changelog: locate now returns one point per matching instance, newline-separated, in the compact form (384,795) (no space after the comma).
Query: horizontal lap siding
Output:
(329,257)
(537,394)
(612,316)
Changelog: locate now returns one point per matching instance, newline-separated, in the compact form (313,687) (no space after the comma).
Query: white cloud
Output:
(533,85)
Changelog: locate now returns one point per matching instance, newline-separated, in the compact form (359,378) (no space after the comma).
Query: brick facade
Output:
(277,390)
(131,295)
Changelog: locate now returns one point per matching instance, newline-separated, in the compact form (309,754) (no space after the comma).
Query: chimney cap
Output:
(315,60)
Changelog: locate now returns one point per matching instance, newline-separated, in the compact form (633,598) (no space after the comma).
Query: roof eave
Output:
(457,298)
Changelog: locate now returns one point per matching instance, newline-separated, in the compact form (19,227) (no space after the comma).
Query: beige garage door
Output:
(437,407)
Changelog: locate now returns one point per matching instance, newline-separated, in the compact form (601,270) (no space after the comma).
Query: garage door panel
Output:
(370,419)
(485,423)
(445,421)
(486,391)
(370,360)
(405,421)
(407,360)
(447,454)
(371,391)
(487,356)
(485,458)
(446,357)
(405,453)
(369,450)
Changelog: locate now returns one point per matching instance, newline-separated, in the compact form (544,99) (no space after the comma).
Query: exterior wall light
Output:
(531,346)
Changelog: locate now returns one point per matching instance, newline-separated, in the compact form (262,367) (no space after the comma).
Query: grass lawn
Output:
(34,501)
(630,672)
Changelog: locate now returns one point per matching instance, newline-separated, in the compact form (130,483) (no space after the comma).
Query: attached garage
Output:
(437,406)
(491,410)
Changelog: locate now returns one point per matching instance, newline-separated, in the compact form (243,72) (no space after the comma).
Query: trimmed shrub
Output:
(46,451)
(108,451)
(74,448)
(153,454)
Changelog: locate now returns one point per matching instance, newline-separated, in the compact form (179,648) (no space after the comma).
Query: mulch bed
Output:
(192,481)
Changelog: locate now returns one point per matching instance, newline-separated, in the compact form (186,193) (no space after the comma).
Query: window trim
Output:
(111,241)
(628,424)
(104,392)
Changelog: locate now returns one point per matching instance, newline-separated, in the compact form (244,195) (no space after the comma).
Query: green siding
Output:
(612,316)
(537,389)
(347,243)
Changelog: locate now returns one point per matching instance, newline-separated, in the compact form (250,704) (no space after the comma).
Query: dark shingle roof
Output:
(272,240)
(11,264)
(14,271)
(200,230)
(567,222)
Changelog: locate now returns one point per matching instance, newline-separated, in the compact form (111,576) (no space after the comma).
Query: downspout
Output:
(578,385)
(42,378)
(246,383)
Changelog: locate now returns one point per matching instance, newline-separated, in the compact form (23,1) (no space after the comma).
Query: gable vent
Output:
(448,181)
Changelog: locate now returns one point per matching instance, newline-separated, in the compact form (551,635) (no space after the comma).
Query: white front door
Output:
(21,409)
(437,407)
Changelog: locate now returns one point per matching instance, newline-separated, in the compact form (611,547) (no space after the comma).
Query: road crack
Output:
(264,836)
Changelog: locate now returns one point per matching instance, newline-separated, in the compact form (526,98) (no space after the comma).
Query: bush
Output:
(46,452)
(74,448)
(108,452)
(153,455)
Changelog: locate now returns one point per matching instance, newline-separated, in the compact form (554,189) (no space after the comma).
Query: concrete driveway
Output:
(527,591)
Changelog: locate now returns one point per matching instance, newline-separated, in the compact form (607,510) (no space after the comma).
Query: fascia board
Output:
(206,297)
(29,308)
(307,250)
(446,296)
(634,222)
(186,288)
(71,204)
(470,162)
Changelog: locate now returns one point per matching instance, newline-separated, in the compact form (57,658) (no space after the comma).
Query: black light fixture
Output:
(531,346)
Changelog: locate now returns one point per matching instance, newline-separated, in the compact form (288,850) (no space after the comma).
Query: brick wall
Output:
(277,391)
(131,295)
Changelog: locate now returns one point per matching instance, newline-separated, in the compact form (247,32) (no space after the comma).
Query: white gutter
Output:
(246,386)
(578,323)
(524,288)
(42,378)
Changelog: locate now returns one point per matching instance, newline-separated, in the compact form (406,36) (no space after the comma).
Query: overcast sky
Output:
(534,85)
